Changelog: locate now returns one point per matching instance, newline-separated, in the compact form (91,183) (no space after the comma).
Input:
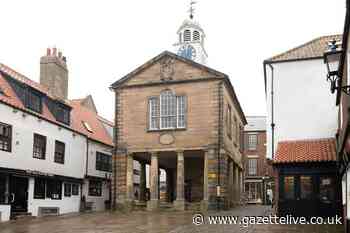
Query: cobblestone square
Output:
(158,222)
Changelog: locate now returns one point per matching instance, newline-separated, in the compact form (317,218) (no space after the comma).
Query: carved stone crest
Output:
(167,68)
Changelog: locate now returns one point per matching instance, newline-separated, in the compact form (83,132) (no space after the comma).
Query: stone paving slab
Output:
(155,222)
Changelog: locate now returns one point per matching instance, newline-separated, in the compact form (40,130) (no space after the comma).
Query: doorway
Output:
(18,194)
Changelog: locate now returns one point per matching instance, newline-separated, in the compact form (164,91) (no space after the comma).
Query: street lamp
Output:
(332,59)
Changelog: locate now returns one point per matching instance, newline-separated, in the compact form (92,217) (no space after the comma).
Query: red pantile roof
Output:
(79,113)
(302,151)
(311,49)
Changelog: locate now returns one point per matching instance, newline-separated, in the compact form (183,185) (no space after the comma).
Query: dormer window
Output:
(87,126)
(63,114)
(196,36)
(33,101)
(187,35)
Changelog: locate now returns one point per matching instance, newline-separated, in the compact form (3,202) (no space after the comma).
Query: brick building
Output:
(257,172)
(184,117)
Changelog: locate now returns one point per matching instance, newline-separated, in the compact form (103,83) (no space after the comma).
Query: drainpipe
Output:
(272,112)
(219,141)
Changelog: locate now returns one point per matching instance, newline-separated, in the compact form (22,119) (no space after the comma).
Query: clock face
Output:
(187,51)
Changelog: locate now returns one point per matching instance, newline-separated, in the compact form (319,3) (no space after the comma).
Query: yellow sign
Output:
(212,175)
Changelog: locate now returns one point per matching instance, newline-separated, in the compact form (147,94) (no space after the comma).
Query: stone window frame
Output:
(158,115)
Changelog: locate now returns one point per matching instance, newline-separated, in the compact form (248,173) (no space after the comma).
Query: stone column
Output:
(204,203)
(153,204)
(142,181)
(179,203)
(130,181)
(231,183)
(237,184)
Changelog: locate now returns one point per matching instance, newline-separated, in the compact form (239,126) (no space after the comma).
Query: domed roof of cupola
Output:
(190,23)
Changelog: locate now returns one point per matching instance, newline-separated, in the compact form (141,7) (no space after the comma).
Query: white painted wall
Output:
(21,157)
(304,108)
(66,204)
(5,212)
(98,202)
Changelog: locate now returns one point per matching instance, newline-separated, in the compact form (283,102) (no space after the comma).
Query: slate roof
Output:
(303,151)
(79,113)
(312,49)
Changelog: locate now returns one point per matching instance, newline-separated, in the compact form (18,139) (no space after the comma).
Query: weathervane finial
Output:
(191,10)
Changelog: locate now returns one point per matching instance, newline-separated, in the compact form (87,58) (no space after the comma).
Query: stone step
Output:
(21,215)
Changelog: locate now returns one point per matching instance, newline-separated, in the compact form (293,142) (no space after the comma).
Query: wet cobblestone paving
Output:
(146,222)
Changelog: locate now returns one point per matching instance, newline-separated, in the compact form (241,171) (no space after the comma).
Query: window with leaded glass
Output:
(103,162)
(167,110)
(39,146)
(95,188)
(5,137)
(59,152)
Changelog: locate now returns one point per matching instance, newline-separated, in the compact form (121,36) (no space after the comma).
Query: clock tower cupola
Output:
(191,39)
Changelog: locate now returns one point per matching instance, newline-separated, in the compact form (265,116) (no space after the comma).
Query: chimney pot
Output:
(48,52)
(54,52)
(64,59)
(60,54)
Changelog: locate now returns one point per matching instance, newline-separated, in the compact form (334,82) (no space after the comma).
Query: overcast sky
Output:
(105,40)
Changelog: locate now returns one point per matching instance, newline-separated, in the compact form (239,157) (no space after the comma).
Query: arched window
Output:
(168,111)
(196,36)
(187,35)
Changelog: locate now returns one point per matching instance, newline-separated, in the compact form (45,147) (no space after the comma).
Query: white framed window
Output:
(252,166)
(181,111)
(153,113)
(252,141)
(167,111)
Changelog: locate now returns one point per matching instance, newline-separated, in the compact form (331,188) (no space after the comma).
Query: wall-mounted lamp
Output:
(332,60)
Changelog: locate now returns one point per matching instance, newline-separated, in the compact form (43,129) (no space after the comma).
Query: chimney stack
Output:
(54,73)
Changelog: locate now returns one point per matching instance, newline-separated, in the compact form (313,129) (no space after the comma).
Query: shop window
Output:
(326,190)
(67,190)
(95,188)
(306,187)
(2,189)
(54,189)
(39,188)
(289,190)
(75,189)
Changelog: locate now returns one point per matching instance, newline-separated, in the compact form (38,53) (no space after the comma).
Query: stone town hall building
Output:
(175,113)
